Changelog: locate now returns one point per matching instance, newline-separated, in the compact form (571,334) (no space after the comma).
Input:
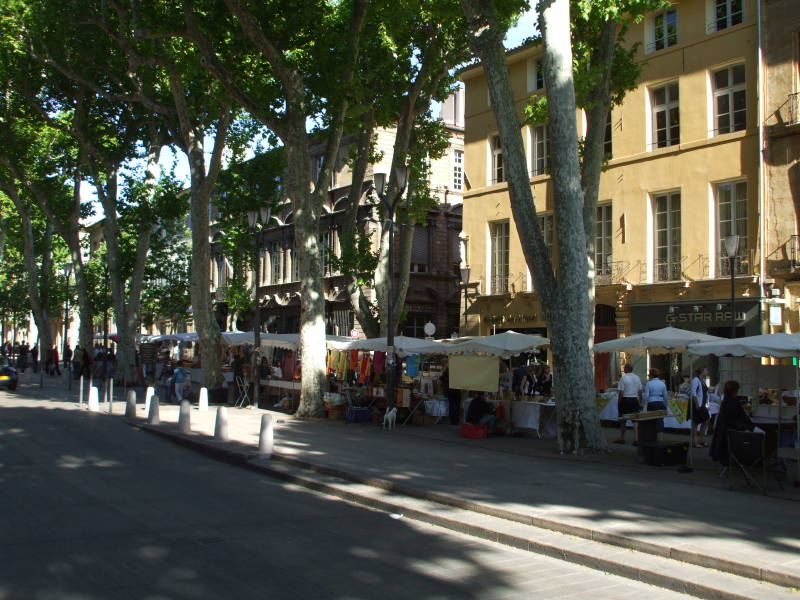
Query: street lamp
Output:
(465,283)
(401,178)
(67,363)
(731,249)
(257,219)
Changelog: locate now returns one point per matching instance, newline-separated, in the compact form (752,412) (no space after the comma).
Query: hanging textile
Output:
(379,361)
(363,370)
(353,365)
(412,365)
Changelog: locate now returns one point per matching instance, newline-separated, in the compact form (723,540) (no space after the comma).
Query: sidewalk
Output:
(690,517)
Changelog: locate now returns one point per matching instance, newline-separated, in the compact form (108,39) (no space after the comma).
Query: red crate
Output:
(474,431)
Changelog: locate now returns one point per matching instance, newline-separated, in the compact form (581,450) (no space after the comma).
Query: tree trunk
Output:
(37,279)
(564,301)
(312,297)
(570,321)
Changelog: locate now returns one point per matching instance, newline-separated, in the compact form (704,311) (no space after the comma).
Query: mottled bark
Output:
(564,300)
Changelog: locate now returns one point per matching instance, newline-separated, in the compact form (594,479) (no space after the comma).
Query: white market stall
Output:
(773,345)
(526,414)
(660,341)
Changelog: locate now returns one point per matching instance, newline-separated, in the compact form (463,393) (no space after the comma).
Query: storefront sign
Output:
(717,316)
(708,316)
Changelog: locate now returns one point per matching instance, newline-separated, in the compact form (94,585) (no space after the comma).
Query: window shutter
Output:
(420,248)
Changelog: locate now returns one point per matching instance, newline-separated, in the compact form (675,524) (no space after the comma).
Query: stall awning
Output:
(659,341)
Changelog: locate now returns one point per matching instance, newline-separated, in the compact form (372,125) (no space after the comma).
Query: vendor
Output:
(481,412)
(630,395)
(655,395)
(731,418)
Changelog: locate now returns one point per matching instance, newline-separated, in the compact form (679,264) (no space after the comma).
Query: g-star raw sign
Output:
(718,316)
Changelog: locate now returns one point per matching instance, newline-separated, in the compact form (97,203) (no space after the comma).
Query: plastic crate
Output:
(474,431)
(358,414)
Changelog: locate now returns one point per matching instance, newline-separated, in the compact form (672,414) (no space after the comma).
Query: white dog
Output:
(389,418)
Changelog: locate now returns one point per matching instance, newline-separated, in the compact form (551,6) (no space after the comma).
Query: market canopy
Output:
(659,341)
(505,345)
(176,337)
(403,346)
(776,345)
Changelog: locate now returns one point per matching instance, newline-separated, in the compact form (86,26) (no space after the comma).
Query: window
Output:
(732,220)
(414,325)
(535,75)
(498,238)
(295,266)
(667,243)
(327,242)
(546,224)
(665,29)
(497,161)
(602,240)
(458,170)
(727,13)
(607,139)
(275,263)
(541,150)
(420,250)
(666,115)
(730,101)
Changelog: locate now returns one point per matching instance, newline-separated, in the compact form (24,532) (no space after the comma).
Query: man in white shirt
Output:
(630,396)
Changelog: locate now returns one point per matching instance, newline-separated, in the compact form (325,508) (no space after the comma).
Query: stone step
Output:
(661,571)
(749,571)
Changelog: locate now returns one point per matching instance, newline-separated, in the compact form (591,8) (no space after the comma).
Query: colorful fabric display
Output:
(379,361)
(363,369)
(412,365)
(353,365)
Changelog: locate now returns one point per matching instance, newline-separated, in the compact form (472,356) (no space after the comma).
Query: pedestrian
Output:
(630,395)
(655,395)
(22,360)
(179,379)
(35,357)
(67,358)
(54,368)
(699,408)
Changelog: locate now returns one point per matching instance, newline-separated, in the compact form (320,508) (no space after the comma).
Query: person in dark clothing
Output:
(519,374)
(481,412)
(453,397)
(731,418)
(67,358)
(35,358)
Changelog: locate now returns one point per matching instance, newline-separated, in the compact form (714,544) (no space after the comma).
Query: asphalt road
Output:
(92,508)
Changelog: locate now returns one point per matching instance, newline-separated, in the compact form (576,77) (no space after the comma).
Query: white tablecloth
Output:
(525,415)
(437,407)
(611,412)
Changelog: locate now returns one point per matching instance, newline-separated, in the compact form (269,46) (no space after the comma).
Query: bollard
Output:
(130,406)
(94,400)
(148,396)
(152,415)
(110,396)
(80,393)
(266,438)
(202,403)
(184,417)
(221,425)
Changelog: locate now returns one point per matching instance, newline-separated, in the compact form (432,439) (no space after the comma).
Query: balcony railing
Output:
(499,284)
(787,113)
(793,250)
(667,270)
(612,272)
(741,266)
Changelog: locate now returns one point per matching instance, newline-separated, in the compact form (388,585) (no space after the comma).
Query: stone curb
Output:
(223,452)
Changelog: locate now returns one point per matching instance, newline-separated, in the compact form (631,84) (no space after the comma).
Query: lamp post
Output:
(257,219)
(731,249)
(401,178)
(67,363)
(465,283)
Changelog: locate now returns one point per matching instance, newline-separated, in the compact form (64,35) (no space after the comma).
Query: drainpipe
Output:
(761,170)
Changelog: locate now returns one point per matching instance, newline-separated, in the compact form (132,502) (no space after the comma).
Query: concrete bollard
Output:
(202,403)
(110,396)
(94,400)
(266,438)
(152,415)
(221,425)
(148,396)
(80,393)
(184,417)
(130,406)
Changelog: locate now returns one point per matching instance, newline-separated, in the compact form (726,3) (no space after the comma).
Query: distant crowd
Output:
(97,362)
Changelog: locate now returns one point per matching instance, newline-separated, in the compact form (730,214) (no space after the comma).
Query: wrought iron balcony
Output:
(667,270)
(742,265)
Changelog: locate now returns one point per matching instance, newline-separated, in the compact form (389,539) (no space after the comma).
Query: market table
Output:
(539,416)
(676,407)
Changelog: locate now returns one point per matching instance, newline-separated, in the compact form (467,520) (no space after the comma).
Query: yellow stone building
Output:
(684,174)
